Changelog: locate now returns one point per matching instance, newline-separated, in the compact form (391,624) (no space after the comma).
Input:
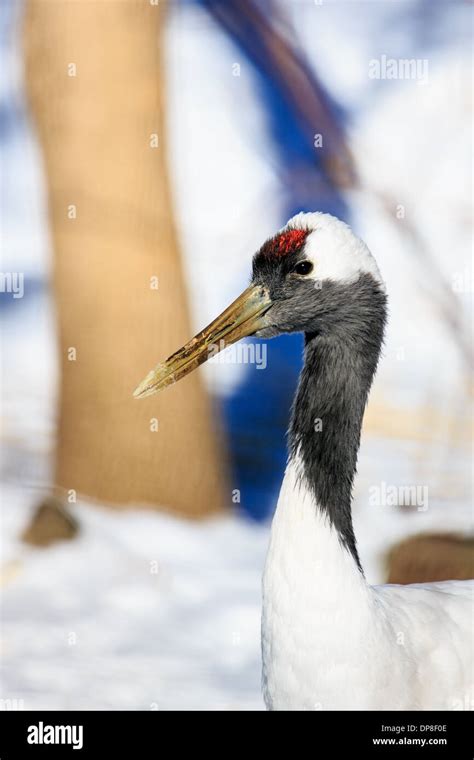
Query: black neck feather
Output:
(340,361)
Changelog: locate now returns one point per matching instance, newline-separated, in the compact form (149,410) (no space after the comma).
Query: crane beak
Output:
(244,317)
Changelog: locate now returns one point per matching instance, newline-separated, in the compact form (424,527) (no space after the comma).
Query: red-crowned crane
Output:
(329,639)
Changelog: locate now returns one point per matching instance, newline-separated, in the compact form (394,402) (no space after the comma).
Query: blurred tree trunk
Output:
(95,81)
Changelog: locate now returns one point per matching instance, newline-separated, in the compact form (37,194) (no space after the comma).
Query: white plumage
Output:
(330,641)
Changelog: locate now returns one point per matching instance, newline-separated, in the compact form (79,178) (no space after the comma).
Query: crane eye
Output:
(304,267)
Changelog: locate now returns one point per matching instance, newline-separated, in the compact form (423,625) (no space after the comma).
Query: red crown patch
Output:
(285,243)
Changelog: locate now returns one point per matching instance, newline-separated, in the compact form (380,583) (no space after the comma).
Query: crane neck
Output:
(339,364)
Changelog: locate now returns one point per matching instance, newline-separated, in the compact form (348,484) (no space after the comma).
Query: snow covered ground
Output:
(142,612)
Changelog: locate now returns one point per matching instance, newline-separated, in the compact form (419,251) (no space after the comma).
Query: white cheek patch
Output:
(340,259)
(336,253)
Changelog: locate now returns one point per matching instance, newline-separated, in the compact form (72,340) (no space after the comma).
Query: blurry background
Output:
(147,150)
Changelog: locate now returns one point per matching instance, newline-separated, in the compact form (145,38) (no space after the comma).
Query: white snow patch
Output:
(141,611)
